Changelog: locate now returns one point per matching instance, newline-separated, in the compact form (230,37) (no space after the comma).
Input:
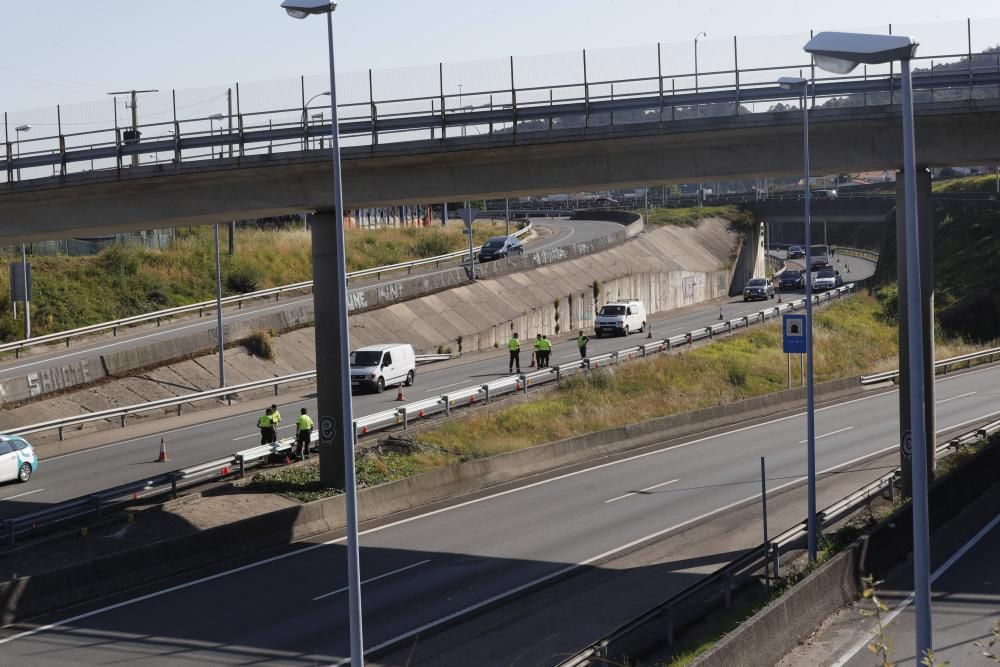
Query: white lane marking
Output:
(826,435)
(648,488)
(257,435)
(973,541)
(164,332)
(368,581)
(953,398)
(445,386)
(21,495)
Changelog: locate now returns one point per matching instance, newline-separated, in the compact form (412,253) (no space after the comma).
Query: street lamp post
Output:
(802,86)
(700,34)
(17,143)
(305,116)
(301,9)
(211,122)
(840,53)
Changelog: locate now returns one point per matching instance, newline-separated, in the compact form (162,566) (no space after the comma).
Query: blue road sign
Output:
(794,337)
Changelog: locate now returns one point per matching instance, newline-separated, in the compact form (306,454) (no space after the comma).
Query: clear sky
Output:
(69,51)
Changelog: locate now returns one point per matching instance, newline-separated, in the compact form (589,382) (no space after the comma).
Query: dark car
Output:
(758,288)
(796,252)
(499,247)
(791,279)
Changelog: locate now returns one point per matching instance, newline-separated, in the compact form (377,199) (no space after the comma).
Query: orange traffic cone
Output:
(399,394)
(163,452)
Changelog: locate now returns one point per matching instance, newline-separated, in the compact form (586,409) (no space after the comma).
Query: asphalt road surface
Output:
(434,568)
(965,605)
(126,460)
(562,232)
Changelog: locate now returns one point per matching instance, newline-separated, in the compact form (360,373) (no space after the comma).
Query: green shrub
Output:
(119,259)
(432,244)
(242,278)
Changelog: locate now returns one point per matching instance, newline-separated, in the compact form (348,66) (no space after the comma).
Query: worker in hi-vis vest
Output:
(581,342)
(303,434)
(514,346)
(546,351)
(266,425)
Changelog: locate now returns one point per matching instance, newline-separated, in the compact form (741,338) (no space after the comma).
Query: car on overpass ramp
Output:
(499,247)
(796,252)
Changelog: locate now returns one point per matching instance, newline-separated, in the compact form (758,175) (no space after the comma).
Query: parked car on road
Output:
(376,366)
(758,288)
(17,459)
(825,279)
(621,317)
(499,247)
(796,252)
(791,279)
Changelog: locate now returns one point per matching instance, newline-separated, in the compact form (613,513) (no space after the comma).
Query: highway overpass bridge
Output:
(661,147)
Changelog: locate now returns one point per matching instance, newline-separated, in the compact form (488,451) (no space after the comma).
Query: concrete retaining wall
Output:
(750,262)
(87,580)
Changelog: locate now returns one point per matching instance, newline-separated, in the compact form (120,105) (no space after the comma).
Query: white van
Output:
(621,317)
(375,366)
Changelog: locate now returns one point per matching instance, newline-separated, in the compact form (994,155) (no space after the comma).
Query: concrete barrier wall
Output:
(89,579)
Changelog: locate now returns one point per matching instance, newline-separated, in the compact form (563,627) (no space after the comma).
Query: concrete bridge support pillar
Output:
(925,319)
(330,367)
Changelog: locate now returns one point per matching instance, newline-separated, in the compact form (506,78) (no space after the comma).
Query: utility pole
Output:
(134,94)
(232,223)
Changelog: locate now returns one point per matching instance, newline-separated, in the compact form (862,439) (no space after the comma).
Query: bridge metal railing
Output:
(238,299)
(964,360)
(93,504)
(493,110)
(658,626)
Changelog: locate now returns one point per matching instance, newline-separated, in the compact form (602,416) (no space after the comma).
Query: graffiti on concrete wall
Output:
(59,377)
(549,255)
(356,301)
(390,292)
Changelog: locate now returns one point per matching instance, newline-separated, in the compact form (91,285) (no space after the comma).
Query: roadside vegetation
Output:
(125,279)
(851,338)
(982,183)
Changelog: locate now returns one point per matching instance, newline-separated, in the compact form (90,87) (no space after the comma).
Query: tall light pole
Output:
(17,143)
(301,9)
(700,34)
(841,52)
(802,86)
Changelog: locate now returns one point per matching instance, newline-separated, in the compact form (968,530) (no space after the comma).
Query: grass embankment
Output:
(126,280)
(850,339)
(689,217)
(983,183)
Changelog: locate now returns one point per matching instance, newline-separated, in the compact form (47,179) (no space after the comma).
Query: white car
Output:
(621,317)
(376,366)
(825,279)
(17,459)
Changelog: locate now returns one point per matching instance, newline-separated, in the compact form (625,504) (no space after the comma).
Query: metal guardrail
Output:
(238,299)
(94,504)
(657,626)
(991,354)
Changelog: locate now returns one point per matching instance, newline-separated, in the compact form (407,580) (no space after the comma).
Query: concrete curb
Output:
(32,595)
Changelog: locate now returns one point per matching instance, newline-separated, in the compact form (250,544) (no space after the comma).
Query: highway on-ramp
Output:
(558,232)
(432,569)
(125,459)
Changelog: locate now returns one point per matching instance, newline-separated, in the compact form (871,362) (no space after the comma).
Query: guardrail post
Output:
(746,321)
(173,486)
(711,332)
(60,433)
(688,336)
(243,466)
(558,374)
(402,413)
(447,405)
(585,364)
(123,420)
(524,383)
(276,390)
(486,390)
(179,409)
(727,585)
(642,350)
(775,559)
(763,317)
(729,326)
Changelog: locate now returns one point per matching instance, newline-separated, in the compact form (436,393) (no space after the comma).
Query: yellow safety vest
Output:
(582,342)
(514,345)
(539,345)
(546,345)
(304,422)
(276,417)
(264,421)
